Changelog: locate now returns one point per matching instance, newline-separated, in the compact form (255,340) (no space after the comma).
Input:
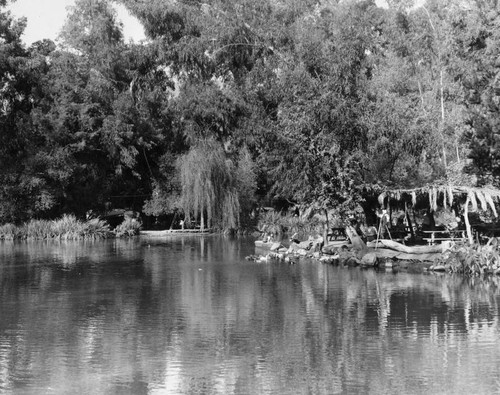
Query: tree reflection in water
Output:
(190,315)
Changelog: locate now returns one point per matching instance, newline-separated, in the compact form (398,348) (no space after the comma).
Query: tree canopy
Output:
(228,105)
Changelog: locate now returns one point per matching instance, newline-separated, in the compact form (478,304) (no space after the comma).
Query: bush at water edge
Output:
(67,228)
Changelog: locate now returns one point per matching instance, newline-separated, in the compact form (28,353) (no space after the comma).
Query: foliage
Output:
(277,223)
(294,101)
(315,158)
(271,222)
(23,192)
(129,227)
(162,201)
(166,188)
(475,37)
(68,227)
(95,228)
(91,28)
(8,232)
(211,188)
(246,180)
(473,259)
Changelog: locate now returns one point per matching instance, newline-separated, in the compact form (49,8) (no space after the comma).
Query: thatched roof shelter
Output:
(446,195)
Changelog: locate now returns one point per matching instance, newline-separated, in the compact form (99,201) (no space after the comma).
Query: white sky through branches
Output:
(47,17)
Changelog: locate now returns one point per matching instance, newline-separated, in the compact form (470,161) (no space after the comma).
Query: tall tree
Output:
(106,115)
(23,191)
(474,37)
(319,137)
(214,185)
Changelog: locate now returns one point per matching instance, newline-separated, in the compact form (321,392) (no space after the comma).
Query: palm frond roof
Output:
(445,195)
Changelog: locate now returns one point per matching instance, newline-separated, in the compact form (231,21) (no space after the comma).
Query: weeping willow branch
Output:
(209,186)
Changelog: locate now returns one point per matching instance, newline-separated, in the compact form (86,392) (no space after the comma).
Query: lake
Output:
(189,315)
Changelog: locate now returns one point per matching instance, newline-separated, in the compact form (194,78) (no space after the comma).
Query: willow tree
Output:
(210,186)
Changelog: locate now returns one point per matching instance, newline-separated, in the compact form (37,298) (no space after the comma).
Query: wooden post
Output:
(466,219)
(378,233)
(408,219)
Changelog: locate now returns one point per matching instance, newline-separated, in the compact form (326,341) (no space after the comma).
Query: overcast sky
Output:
(46,18)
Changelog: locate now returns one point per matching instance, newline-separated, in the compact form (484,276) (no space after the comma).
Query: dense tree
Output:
(474,39)
(23,191)
(304,101)
(316,155)
(107,112)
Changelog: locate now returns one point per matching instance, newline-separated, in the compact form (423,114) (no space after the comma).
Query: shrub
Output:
(36,229)
(301,225)
(8,232)
(68,227)
(96,228)
(129,227)
(473,259)
(277,223)
(271,222)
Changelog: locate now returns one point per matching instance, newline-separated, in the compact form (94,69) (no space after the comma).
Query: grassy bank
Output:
(67,228)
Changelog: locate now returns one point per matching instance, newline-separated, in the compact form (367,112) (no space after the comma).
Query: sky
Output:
(47,17)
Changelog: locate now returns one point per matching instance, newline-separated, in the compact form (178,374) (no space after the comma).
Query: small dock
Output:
(174,232)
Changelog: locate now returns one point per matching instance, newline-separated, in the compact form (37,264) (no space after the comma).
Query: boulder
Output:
(293,247)
(369,259)
(330,249)
(304,244)
(329,259)
(276,246)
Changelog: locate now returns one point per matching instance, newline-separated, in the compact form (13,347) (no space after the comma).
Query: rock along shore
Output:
(354,252)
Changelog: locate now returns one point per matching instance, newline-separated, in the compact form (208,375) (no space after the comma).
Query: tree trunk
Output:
(408,219)
(442,122)
(466,219)
(394,245)
(356,241)
(326,229)
(173,220)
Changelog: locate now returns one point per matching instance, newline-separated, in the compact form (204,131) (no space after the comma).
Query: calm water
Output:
(191,316)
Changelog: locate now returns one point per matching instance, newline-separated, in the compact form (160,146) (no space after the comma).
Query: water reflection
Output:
(190,315)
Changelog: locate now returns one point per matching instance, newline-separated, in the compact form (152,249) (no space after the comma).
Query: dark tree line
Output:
(231,103)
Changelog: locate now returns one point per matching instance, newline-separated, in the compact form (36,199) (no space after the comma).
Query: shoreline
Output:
(170,232)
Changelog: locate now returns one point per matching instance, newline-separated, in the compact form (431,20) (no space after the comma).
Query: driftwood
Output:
(385,253)
(394,245)
(356,241)
(333,246)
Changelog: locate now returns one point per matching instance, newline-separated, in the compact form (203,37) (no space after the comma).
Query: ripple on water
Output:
(121,319)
